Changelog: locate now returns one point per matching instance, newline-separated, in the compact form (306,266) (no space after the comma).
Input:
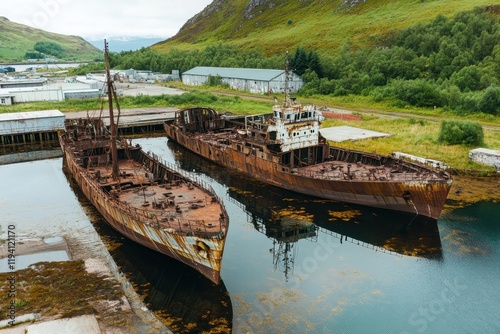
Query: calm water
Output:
(293,264)
(40,65)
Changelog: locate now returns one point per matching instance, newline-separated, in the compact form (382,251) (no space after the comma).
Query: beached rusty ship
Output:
(285,149)
(146,200)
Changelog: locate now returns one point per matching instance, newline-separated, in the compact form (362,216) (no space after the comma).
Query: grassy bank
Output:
(413,131)
(413,136)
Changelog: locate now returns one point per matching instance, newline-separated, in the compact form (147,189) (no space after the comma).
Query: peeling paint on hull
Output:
(185,246)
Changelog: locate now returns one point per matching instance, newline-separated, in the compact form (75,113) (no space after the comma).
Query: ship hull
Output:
(427,196)
(179,246)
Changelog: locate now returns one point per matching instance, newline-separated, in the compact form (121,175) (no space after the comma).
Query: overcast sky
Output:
(98,19)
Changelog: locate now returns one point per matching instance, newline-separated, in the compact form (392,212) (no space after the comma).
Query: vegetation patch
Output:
(461,133)
(58,289)
(347,215)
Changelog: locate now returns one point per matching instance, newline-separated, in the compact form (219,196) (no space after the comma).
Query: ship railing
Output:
(345,238)
(191,177)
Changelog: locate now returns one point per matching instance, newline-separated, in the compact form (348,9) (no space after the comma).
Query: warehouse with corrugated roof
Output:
(253,80)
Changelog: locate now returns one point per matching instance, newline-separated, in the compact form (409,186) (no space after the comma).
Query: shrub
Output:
(461,133)
(490,101)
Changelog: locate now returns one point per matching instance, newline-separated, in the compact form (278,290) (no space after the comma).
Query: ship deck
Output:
(179,205)
(339,169)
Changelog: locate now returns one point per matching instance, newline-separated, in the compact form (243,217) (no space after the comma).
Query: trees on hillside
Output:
(44,49)
(452,63)
(303,60)
(220,55)
(49,48)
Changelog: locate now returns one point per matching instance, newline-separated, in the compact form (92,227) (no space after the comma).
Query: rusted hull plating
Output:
(427,196)
(178,245)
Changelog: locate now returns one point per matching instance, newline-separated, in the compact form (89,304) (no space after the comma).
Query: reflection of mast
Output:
(285,231)
(112,125)
(284,255)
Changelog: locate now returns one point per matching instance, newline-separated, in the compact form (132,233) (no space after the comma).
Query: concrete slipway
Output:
(343,133)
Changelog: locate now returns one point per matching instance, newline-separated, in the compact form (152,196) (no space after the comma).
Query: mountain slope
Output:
(17,39)
(275,25)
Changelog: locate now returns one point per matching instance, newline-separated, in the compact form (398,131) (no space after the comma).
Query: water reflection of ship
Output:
(180,297)
(271,210)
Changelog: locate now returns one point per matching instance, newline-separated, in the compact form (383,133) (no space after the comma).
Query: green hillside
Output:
(17,39)
(435,54)
(274,26)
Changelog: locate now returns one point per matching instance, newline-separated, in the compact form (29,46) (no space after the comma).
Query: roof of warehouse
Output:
(237,73)
(30,115)
(23,81)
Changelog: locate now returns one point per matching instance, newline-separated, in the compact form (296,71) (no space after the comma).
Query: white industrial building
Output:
(132,76)
(6,99)
(82,94)
(13,83)
(20,95)
(253,80)
(35,90)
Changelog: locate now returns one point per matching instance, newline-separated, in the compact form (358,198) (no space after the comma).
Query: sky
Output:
(97,19)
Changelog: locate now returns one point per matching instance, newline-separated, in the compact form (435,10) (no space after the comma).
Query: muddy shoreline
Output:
(467,190)
(88,284)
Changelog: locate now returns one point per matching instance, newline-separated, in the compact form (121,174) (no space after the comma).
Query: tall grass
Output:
(413,137)
(233,104)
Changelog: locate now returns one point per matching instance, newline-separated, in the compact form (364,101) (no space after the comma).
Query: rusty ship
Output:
(286,149)
(148,201)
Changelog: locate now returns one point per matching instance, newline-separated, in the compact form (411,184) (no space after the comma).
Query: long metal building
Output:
(30,127)
(253,80)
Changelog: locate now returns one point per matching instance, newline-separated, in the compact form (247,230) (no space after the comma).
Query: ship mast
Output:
(112,125)
(288,100)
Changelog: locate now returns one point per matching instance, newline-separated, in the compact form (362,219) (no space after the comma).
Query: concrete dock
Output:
(131,118)
(42,126)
